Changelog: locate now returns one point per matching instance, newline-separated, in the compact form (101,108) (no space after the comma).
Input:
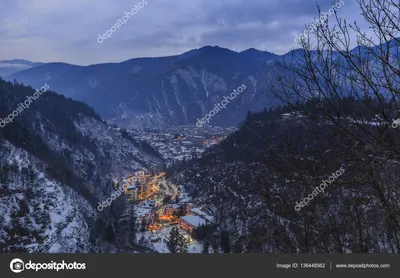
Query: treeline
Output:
(20,231)
(54,114)
(11,174)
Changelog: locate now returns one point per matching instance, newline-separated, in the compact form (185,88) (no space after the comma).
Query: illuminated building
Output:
(189,223)
(170,209)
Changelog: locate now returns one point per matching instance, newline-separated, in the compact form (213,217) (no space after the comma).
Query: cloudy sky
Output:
(67,30)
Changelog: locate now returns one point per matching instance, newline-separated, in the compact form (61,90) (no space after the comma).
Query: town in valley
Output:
(160,205)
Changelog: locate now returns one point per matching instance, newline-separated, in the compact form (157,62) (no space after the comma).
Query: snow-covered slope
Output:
(58,160)
(37,213)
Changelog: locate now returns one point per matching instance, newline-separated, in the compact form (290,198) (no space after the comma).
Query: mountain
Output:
(178,89)
(253,54)
(8,67)
(58,160)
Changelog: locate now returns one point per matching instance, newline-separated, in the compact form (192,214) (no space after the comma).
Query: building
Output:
(131,191)
(170,209)
(186,206)
(145,189)
(202,214)
(175,208)
(189,223)
(141,191)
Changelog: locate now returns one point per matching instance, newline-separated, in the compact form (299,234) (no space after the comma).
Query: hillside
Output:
(255,178)
(58,160)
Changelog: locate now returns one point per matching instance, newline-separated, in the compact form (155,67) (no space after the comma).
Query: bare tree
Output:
(347,98)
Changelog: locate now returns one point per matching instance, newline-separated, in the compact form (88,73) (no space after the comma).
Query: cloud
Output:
(65,30)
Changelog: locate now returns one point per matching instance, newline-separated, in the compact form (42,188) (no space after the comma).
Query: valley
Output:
(177,137)
(158,203)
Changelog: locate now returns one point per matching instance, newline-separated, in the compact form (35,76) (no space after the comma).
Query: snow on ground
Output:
(195,247)
(142,210)
(161,245)
(52,214)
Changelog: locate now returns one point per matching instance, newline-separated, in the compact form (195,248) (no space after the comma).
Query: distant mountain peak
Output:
(215,48)
(256,51)
(211,47)
(251,50)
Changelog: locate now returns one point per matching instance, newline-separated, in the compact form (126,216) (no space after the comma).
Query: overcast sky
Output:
(67,30)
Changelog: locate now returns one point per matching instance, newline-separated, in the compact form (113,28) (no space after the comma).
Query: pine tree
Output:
(172,241)
(200,233)
(176,242)
(143,225)
(31,178)
(225,242)
(131,228)
(14,169)
(181,211)
(4,177)
(109,233)
(214,244)
(206,246)
(24,176)
(237,248)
